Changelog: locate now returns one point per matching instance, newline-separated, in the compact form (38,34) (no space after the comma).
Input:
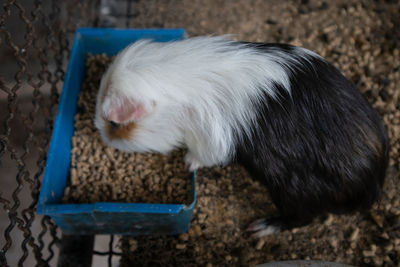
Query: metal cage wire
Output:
(35,38)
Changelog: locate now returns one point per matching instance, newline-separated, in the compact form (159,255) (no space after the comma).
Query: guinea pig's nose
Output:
(114,125)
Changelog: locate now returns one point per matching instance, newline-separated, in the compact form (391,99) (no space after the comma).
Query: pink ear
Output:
(124,110)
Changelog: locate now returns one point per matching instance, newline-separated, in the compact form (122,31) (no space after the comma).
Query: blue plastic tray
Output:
(105,217)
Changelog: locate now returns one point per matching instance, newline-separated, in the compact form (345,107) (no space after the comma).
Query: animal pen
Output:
(362,38)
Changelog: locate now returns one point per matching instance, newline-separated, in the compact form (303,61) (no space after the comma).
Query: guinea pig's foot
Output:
(263,227)
(191,162)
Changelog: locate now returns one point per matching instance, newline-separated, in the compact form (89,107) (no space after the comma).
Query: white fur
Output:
(260,228)
(199,93)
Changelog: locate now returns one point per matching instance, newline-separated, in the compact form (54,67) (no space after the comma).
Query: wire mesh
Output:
(35,42)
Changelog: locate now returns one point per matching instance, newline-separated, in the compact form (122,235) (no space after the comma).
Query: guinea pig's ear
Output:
(123,109)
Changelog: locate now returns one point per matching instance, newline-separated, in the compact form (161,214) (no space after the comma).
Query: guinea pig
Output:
(283,112)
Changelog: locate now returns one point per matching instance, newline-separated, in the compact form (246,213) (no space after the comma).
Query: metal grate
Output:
(35,41)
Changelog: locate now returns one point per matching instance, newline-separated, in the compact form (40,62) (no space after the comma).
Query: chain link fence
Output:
(35,42)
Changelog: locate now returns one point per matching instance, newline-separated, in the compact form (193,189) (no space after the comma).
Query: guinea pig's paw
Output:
(191,162)
(263,227)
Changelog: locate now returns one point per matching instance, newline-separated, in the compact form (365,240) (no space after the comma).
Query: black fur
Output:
(321,149)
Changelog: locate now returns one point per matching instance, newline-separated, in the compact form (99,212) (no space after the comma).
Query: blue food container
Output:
(104,217)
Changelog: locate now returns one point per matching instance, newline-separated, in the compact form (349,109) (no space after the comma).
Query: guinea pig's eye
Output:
(114,125)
